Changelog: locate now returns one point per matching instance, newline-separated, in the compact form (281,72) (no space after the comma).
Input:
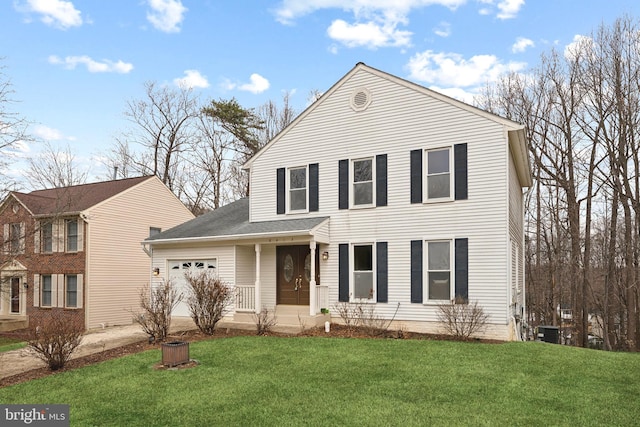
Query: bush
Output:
(462,320)
(208,298)
(55,338)
(157,304)
(265,320)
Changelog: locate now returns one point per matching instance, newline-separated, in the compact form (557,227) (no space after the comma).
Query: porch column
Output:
(257,306)
(312,283)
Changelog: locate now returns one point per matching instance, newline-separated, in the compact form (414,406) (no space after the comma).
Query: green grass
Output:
(270,381)
(8,344)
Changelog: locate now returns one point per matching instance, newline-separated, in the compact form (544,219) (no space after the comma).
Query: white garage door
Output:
(177,270)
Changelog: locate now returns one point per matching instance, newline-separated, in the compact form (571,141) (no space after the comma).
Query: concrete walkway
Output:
(94,341)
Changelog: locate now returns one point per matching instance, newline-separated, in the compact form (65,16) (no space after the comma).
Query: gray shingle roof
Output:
(233,220)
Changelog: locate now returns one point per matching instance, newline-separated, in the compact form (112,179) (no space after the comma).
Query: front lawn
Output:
(258,381)
(8,344)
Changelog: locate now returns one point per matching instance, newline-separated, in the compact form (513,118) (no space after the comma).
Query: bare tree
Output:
(13,132)
(55,167)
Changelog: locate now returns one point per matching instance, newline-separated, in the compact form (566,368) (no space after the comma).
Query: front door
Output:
(15,295)
(294,274)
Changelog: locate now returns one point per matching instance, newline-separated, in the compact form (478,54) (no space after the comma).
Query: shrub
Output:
(265,320)
(462,320)
(157,304)
(55,338)
(208,298)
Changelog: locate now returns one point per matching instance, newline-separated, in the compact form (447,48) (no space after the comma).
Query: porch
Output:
(287,316)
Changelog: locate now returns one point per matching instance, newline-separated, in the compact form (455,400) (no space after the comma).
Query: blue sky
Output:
(74,64)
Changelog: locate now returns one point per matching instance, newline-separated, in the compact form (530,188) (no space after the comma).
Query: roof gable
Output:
(76,198)
(510,126)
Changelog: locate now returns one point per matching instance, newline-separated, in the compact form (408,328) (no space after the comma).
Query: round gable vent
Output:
(360,99)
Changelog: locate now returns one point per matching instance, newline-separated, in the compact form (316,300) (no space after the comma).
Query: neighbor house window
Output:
(439,270)
(439,174)
(46,237)
(45,289)
(363,284)
(298,189)
(72,235)
(15,237)
(71,291)
(363,182)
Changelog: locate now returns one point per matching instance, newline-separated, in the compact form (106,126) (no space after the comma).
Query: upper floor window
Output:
(71,226)
(439,174)
(46,236)
(298,189)
(15,238)
(362,182)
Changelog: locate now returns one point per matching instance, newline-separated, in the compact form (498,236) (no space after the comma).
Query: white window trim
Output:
(41,239)
(352,284)
(66,282)
(51,292)
(352,192)
(425,176)
(288,189)
(66,235)
(425,270)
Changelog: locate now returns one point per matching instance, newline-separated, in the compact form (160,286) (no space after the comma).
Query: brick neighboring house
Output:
(77,249)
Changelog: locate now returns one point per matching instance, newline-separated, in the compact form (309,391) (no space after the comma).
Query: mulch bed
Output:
(195,335)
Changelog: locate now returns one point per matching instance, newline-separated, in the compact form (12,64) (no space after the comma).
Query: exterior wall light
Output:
(325,256)
(156,271)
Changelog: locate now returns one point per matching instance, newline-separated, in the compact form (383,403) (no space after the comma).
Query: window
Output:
(363,182)
(298,189)
(363,284)
(46,290)
(46,236)
(72,235)
(439,270)
(71,291)
(439,174)
(15,237)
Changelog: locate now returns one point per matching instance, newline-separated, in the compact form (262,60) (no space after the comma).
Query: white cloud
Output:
(376,22)
(166,15)
(191,79)
(55,13)
(521,45)
(370,34)
(443,29)
(509,8)
(457,93)
(47,133)
(453,70)
(257,84)
(70,62)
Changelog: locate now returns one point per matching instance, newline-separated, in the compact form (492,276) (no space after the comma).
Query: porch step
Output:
(288,317)
(13,324)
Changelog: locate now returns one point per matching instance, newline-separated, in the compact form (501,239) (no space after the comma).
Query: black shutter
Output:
(280,206)
(460,167)
(381,180)
(416,271)
(416,176)
(382,273)
(343,272)
(313,188)
(462,268)
(343,184)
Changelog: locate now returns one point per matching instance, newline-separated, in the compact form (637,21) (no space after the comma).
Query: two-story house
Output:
(77,250)
(382,192)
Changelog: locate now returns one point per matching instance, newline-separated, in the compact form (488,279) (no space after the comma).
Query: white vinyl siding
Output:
(117,266)
(398,120)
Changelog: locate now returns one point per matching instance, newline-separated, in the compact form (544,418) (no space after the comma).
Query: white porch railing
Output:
(245,298)
(322,297)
